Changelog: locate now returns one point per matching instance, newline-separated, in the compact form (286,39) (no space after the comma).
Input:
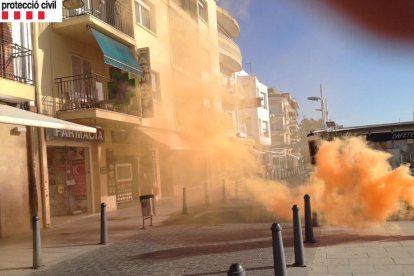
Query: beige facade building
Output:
(285,152)
(16,89)
(126,68)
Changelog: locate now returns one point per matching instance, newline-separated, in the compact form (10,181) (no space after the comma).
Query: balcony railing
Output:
(15,62)
(228,47)
(90,91)
(117,13)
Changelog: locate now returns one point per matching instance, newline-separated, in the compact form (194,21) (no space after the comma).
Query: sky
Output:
(297,45)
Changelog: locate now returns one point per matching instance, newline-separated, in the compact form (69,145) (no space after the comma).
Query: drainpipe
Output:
(33,198)
(44,177)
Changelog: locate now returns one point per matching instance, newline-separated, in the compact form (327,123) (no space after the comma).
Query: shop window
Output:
(144,14)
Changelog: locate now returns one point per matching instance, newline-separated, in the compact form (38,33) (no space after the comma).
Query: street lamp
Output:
(324,106)
(73,4)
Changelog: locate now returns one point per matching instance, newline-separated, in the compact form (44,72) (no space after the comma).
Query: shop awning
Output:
(117,54)
(167,138)
(16,116)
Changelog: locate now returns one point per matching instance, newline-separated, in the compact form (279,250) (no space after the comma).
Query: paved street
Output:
(206,242)
(179,250)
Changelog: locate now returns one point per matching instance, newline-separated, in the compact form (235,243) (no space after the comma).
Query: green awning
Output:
(117,54)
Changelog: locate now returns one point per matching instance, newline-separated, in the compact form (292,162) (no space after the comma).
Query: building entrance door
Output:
(69,180)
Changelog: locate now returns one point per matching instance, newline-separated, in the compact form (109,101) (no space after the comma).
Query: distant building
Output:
(254,120)
(253,116)
(394,138)
(285,151)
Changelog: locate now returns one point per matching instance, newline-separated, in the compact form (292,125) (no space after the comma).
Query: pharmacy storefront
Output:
(69,164)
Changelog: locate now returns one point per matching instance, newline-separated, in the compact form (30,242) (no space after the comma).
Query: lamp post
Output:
(324,106)
(73,4)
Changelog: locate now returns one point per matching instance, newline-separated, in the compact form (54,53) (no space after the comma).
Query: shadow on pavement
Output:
(70,245)
(183,252)
(224,272)
(16,268)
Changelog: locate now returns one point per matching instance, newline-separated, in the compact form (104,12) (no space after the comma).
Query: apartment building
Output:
(253,116)
(19,128)
(119,80)
(230,62)
(254,120)
(285,152)
(16,88)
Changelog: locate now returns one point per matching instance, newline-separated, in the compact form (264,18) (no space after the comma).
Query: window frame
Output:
(202,10)
(156,93)
(265,128)
(139,6)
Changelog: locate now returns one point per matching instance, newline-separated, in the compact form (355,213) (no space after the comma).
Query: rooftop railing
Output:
(117,13)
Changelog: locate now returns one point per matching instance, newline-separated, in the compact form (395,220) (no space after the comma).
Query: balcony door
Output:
(82,80)
(80,66)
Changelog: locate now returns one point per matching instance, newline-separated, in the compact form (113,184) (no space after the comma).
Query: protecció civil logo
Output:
(31,11)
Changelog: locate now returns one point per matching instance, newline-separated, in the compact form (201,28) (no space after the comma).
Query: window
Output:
(144,15)
(189,6)
(264,99)
(155,86)
(202,10)
(265,128)
(123,172)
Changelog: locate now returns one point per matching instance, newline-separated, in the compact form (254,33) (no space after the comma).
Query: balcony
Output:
(86,97)
(230,55)
(16,83)
(227,22)
(111,17)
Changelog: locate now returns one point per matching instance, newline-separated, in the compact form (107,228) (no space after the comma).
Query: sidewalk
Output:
(205,242)
(71,236)
(386,250)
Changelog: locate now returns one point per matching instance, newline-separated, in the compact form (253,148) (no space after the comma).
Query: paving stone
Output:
(403,260)
(351,269)
(346,255)
(371,261)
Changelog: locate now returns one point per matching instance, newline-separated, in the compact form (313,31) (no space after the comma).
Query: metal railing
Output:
(90,91)
(117,13)
(15,62)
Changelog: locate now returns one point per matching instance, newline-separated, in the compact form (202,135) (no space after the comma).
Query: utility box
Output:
(147,208)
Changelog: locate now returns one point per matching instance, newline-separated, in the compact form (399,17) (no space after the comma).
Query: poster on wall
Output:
(79,175)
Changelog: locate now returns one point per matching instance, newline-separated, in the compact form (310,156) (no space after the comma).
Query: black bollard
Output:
(236,270)
(224,191)
(297,238)
(37,245)
(184,202)
(104,228)
(278,253)
(206,194)
(308,221)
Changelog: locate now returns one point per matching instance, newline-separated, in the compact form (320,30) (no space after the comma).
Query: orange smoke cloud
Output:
(352,185)
(356,184)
